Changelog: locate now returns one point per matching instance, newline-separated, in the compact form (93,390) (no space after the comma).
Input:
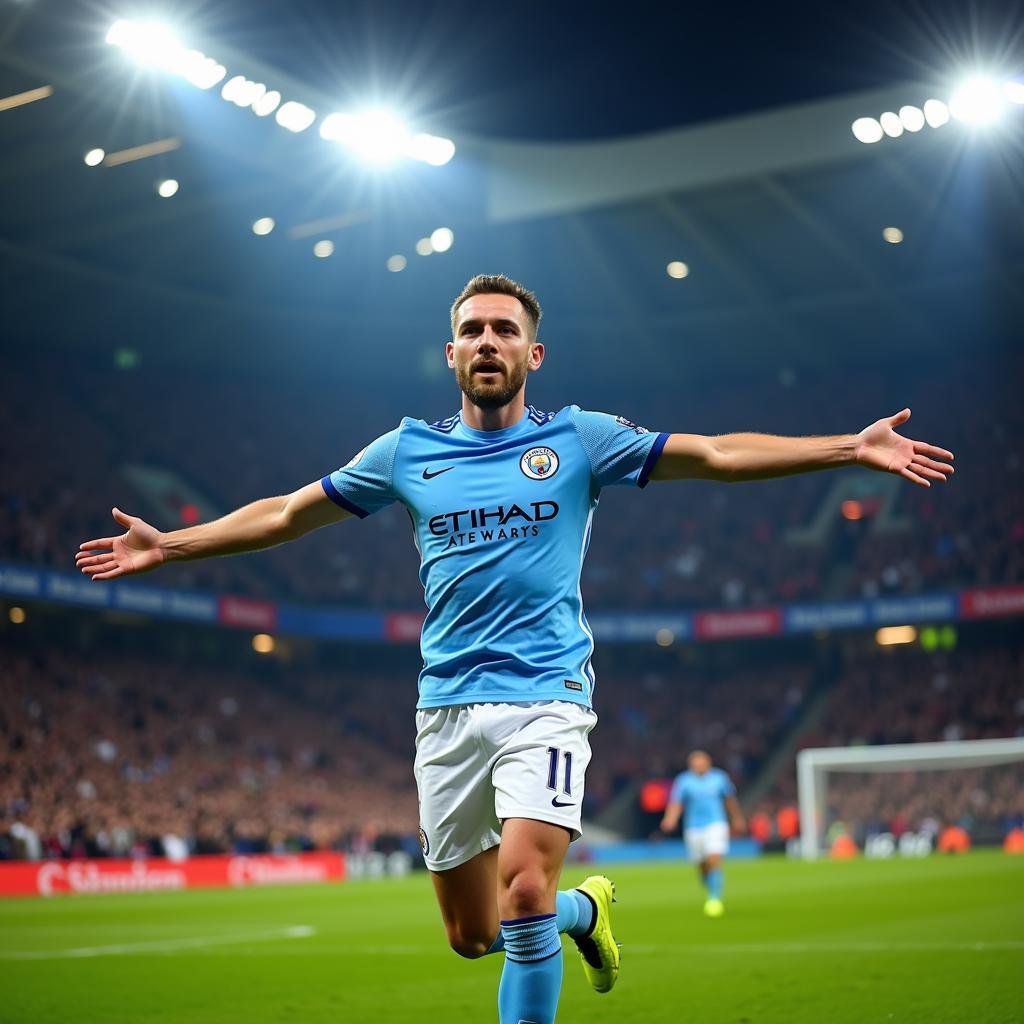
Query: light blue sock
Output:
(574,916)
(574,912)
(715,881)
(532,977)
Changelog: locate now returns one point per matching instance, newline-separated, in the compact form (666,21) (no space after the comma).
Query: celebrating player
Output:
(502,497)
(707,794)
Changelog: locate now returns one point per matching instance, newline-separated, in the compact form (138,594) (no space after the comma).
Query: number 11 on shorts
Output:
(553,754)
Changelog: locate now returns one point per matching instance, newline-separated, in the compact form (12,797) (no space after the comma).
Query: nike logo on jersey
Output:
(427,475)
(555,802)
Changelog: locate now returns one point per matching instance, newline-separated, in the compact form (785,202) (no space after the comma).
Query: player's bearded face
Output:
(489,381)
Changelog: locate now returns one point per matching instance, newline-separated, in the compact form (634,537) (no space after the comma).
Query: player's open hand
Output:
(133,552)
(880,447)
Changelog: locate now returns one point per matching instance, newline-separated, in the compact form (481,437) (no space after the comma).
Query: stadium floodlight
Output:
(94,157)
(202,71)
(424,247)
(376,136)
(979,100)
(912,118)
(397,263)
(263,226)
(323,248)
(442,239)
(891,124)
(296,117)
(1014,91)
(242,92)
(149,43)
(867,130)
(936,113)
(677,269)
(267,103)
(431,149)
(167,188)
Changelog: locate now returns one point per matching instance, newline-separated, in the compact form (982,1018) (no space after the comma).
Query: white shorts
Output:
(478,764)
(704,842)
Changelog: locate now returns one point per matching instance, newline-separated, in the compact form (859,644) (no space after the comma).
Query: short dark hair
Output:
(499,284)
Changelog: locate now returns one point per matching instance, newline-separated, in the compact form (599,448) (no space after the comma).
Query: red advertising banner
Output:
(244,613)
(729,625)
(403,627)
(55,877)
(991,602)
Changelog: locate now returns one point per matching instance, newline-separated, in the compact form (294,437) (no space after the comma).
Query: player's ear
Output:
(536,355)
(449,353)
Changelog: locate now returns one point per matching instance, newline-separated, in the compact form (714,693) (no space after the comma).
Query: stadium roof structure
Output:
(778,217)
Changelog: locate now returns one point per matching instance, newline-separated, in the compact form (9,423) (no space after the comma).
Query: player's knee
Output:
(526,894)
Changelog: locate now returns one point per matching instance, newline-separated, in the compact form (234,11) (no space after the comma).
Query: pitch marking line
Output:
(831,947)
(300,931)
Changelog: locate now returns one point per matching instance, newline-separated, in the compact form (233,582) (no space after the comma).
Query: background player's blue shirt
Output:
(502,522)
(702,796)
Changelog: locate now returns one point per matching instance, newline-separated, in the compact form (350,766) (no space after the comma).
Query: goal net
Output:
(898,796)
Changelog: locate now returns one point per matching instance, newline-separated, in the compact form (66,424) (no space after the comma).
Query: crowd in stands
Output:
(698,545)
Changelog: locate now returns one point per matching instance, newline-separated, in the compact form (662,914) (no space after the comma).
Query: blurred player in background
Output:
(706,798)
(502,498)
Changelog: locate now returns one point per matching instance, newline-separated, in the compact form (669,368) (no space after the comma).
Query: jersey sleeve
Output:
(365,484)
(620,452)
(728,789)
(678,793)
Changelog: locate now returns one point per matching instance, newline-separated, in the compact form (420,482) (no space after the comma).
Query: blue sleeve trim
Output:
(652,458)
(338,498)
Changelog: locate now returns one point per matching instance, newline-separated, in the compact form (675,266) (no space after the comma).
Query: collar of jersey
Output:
(497,435)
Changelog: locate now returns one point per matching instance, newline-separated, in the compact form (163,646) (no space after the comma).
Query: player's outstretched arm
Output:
(262,524)
(737,457)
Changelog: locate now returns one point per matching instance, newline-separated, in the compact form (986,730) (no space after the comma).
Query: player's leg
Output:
(716,847)
(529,864)
(469,910)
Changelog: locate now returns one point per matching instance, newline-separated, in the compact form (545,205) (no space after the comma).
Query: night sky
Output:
(574,70)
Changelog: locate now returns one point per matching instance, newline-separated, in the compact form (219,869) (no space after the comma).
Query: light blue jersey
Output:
(502,522)
(702,797)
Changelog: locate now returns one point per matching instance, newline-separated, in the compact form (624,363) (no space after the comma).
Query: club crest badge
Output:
(539,463)
(424,844)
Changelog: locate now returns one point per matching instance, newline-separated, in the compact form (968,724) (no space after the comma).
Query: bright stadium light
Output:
(1014,91)
(912,118)
(296,117)
(867,130)
(263,226)
(149,43)
(376,136)
(424,247)
(891,124)
(94,157)
(889,635)
(442,239)
(677,269)
(979,100)
(202,71)
(397,263)
(267,103)
(936,113)
(431,149)
(323,248)
(167,188)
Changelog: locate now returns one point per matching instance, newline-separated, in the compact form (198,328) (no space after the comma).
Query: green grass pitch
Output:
(896,941)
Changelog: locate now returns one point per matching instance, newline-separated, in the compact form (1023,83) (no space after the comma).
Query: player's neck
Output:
(476,418)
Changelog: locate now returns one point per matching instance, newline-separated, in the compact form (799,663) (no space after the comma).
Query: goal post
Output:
(814,765)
